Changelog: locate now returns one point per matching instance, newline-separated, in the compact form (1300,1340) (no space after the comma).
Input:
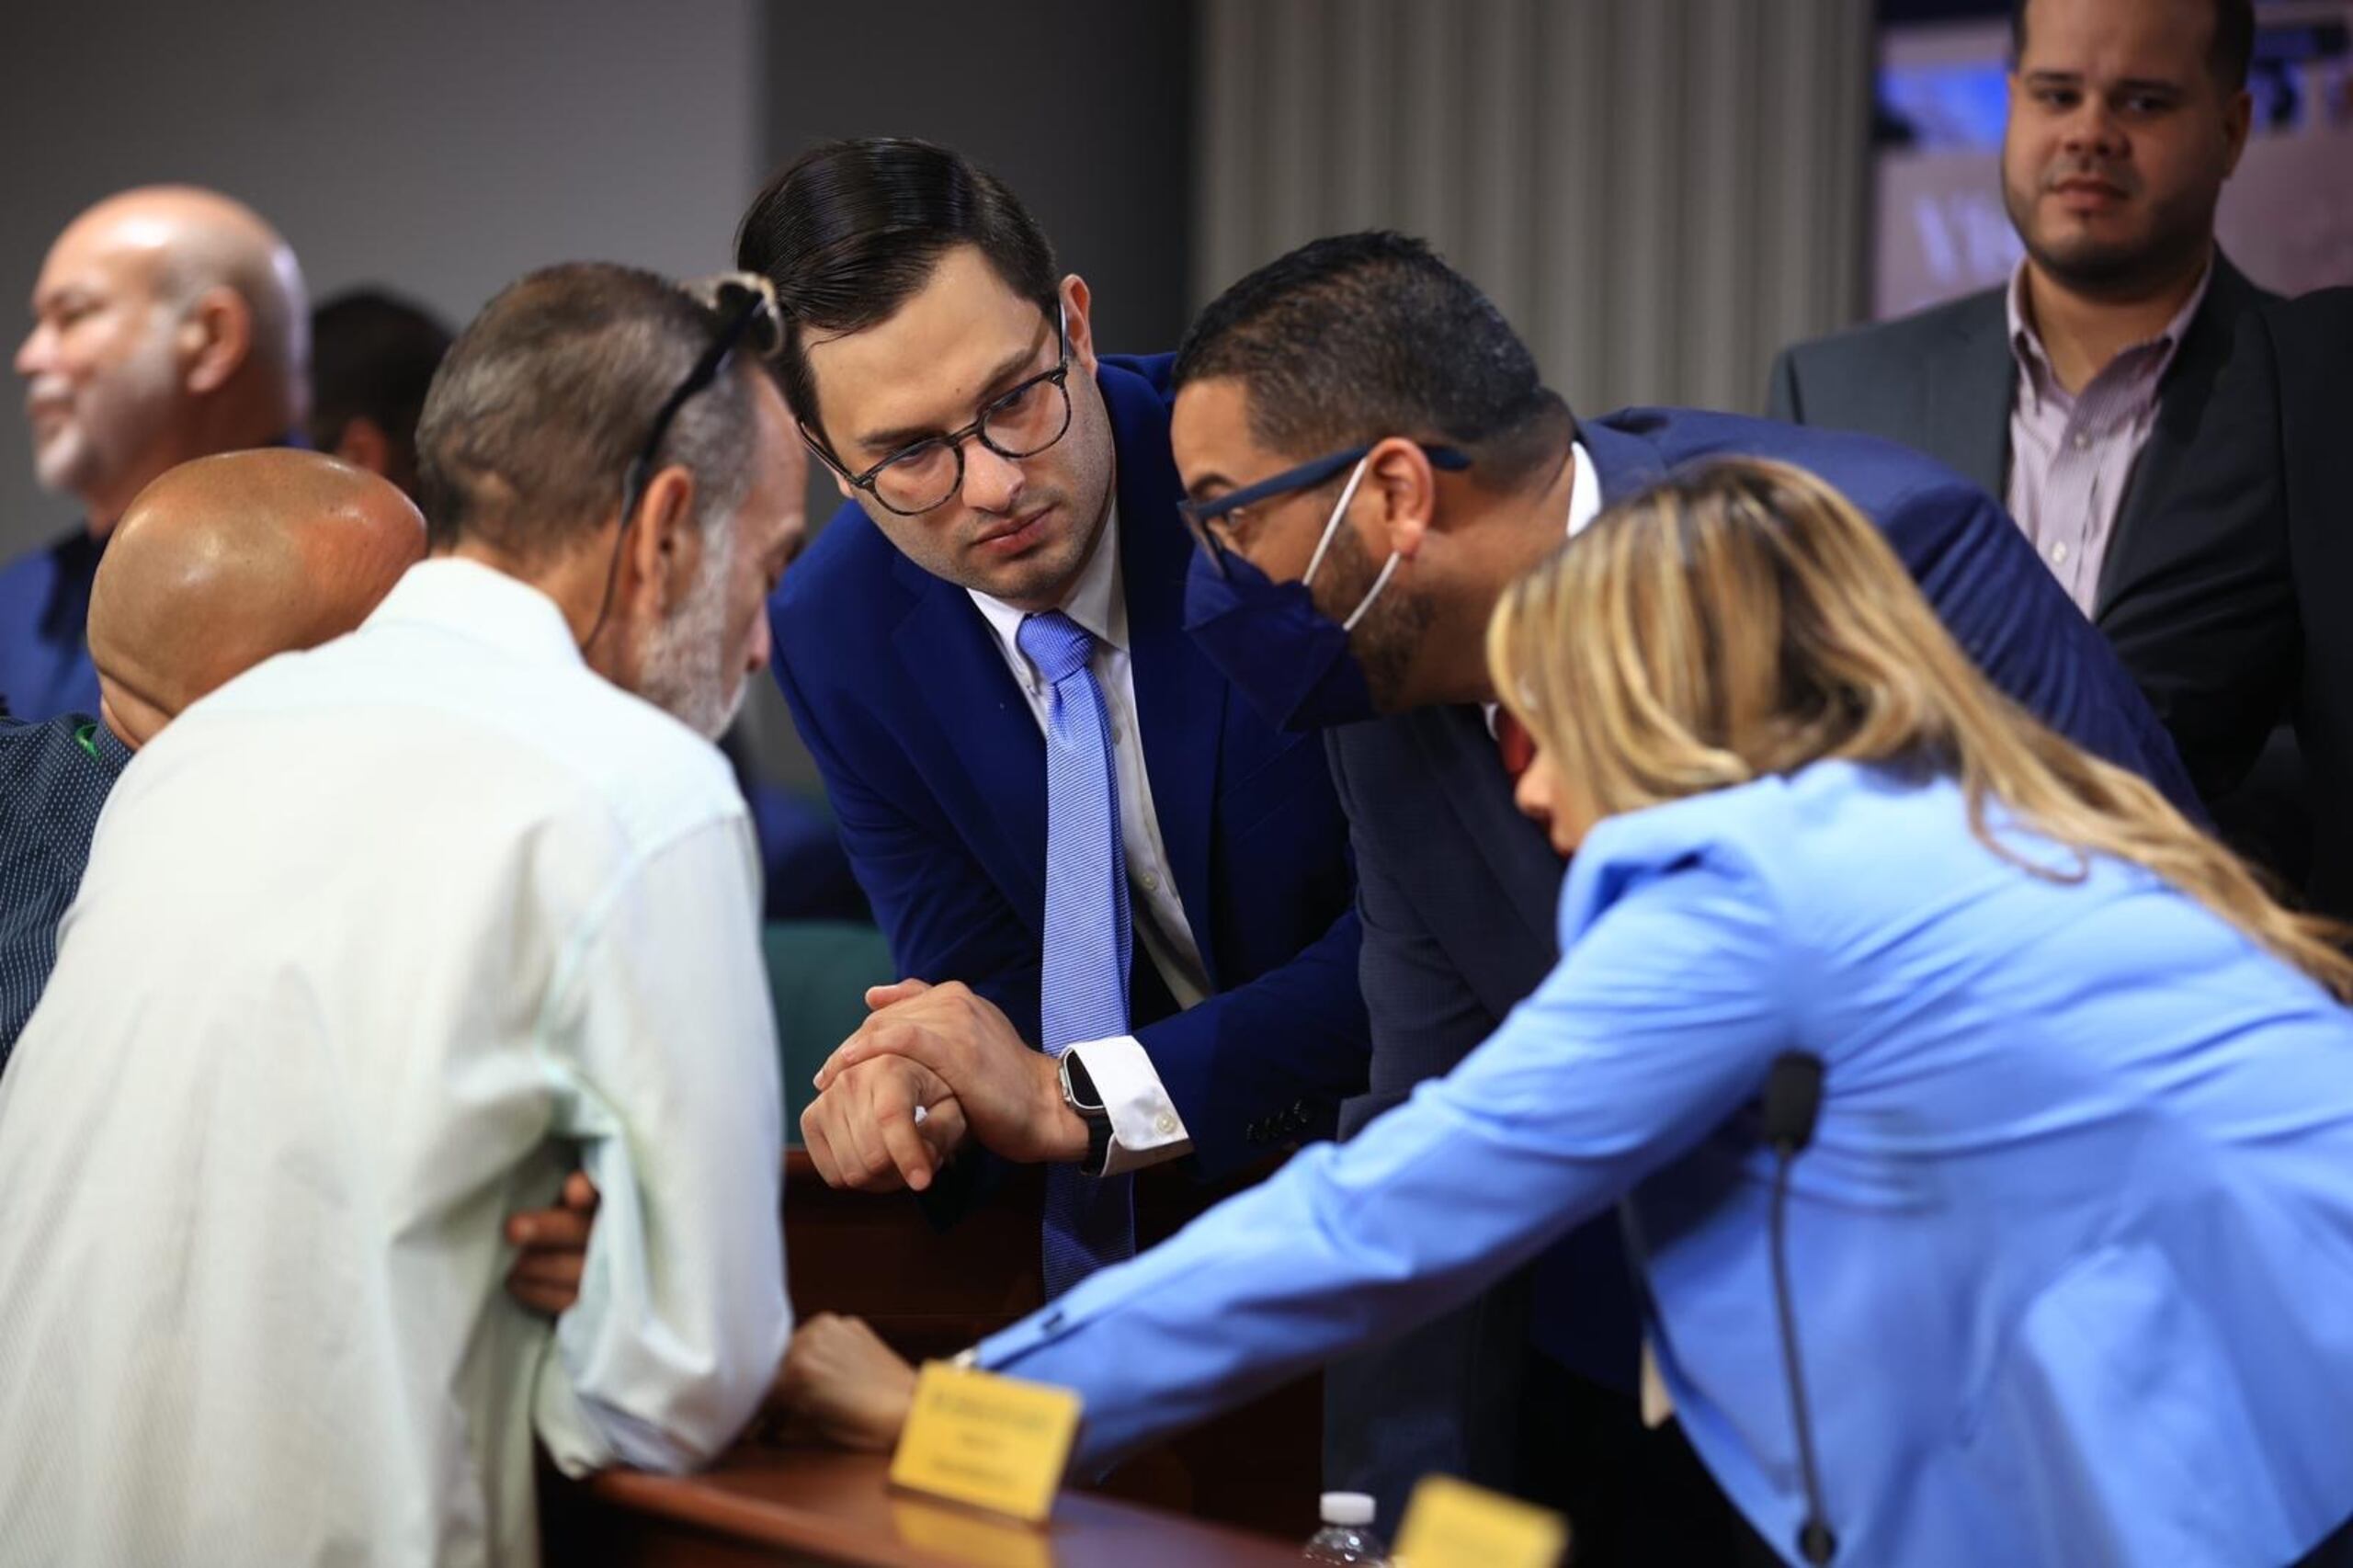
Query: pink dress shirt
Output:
(2072,454)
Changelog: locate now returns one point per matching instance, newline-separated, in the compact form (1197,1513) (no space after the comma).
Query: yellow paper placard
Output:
(1452,1524)
(997,1443)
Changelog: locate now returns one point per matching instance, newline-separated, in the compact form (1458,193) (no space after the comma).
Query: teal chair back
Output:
(818,973)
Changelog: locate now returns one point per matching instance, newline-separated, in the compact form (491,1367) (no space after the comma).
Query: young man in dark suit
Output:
(1370,457)
(2311,338)
(1122,900)
(2116,394)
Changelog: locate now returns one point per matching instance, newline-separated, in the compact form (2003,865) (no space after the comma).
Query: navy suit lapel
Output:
(995,756)
(1463,756)
(1459,747)
(1180,698)
(1970,381)
(2217,402)
(1623,459)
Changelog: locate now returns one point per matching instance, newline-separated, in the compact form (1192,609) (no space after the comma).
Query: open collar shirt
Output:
(2072,453)
(375,944)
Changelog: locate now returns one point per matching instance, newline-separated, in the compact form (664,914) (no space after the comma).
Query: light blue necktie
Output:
(1082,979)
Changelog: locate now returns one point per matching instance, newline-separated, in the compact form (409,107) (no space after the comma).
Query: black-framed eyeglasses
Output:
(1020,422)
(748,318)
(1204,517)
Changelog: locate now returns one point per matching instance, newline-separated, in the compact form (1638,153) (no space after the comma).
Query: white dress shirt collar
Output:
(1585,504)
(482,603)
(1096,603)
(1584,497)
(375,943)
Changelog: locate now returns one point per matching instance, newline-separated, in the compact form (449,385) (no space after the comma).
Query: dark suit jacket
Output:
(937,773)
(45,667)
(2195,590)
(54,779)
(2313,339)
(1458,894)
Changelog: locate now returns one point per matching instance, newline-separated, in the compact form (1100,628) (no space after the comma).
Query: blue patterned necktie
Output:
(1083,980)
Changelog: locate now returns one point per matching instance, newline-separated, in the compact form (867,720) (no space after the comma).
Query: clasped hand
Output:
(952,1054)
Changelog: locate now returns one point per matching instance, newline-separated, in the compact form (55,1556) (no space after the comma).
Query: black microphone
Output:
(1792,1102)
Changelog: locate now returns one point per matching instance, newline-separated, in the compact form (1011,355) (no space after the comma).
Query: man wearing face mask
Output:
(168,324)
(1370,457)
(1122,899)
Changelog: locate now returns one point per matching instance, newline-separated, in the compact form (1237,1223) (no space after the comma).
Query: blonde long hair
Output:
(1742,618)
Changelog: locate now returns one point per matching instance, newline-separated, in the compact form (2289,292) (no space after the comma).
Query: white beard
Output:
(115,419)
(689,670)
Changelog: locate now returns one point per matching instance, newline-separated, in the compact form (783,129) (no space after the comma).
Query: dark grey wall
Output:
(1084,107)
(443,147)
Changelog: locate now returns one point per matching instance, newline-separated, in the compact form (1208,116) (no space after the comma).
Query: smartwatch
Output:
(1080,1094)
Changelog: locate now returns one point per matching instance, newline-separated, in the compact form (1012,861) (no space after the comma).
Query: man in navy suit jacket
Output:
(927,326)
(167,324)
(1362,370)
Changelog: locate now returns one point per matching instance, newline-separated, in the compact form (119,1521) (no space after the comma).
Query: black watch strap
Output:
(1081,1095)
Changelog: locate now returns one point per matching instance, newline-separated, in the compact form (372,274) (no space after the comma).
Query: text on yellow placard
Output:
(997,1443)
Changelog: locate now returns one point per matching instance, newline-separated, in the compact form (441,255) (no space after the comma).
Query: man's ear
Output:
(363,444)
(132,715)
(214,338)
(1078,322)
(1404,488)
(663,547)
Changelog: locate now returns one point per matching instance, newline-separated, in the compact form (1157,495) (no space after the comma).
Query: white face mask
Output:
(1332,527)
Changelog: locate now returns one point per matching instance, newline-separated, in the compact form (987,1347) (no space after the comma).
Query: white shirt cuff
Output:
(1659,1406)
(1146,1128)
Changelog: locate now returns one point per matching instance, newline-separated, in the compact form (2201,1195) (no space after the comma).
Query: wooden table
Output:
(931,1292)
(800,1506)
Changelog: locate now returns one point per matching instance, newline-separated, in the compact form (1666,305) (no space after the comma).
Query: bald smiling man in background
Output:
(217,565)
(168,324)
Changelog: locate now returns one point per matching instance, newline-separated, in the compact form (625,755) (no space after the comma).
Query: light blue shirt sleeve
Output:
(1661,1019)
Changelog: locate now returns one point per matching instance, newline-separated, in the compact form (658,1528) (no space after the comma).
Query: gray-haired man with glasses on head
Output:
(380,940)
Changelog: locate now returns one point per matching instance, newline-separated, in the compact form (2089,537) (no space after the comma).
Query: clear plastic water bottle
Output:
(1347,1535)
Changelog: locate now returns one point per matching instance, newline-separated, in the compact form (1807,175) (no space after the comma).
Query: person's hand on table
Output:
(551,1245)
(885,1124)
(1010,1096)
(840,1384)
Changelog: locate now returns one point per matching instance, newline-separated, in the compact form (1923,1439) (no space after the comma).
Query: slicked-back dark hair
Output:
(850,231)
(2228,52)
(548,393)
(373,357)
(1360,337)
